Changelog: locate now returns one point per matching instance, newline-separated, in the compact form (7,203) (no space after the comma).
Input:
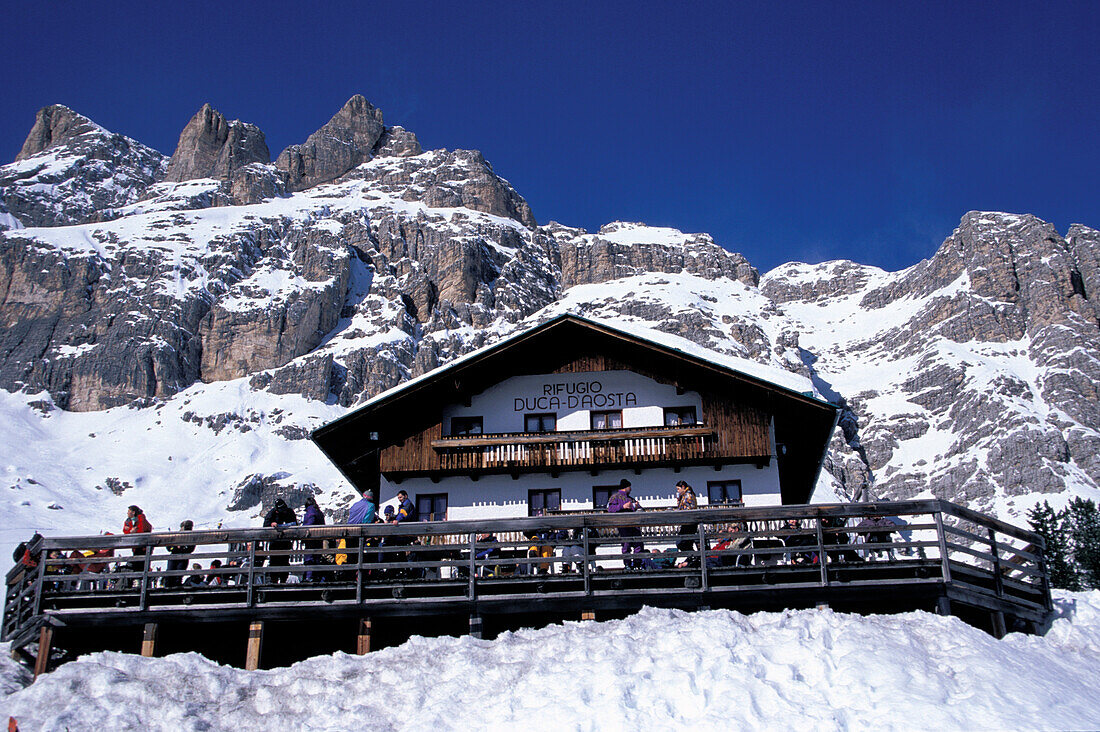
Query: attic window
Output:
(467,426)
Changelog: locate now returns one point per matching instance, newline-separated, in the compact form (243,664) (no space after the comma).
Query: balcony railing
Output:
(576,449)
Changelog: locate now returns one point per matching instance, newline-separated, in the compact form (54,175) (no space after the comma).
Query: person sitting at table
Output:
(799,540)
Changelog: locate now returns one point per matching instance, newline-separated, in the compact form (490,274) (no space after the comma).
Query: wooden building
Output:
(554,417)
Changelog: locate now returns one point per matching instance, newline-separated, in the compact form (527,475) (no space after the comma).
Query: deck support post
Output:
(255,645)
(475,625)
(999,629)
(588,615)
(362,647)
(943,606)
(149,640)
(45,640)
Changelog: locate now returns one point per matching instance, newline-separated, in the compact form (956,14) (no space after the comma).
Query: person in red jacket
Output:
(136,523)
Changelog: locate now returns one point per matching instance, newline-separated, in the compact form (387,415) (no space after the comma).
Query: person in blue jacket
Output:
(313,517)
(363,511)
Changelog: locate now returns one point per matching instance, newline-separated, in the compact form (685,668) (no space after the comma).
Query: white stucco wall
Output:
(573,397)
(501,496)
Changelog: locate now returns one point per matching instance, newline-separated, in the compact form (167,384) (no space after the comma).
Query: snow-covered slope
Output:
(658,670)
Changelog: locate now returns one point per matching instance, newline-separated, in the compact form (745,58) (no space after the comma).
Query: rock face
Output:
(364,261)
(70,171)
(54,125)
(345,141)
(212,147)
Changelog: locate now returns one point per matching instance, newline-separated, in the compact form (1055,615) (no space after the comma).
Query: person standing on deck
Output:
(313,517)
(686,501)
(176,564)
(279,516)
(621,501)
(136,523)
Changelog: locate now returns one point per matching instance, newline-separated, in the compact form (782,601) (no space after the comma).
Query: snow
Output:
(174,462)
(659,669)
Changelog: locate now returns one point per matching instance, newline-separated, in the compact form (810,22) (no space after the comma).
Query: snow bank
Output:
(660,669)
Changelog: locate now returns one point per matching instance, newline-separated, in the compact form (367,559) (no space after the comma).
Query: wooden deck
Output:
(447,574)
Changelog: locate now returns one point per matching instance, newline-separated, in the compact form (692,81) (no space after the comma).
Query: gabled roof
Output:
(803,422)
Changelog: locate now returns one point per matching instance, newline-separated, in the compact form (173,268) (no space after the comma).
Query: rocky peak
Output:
(55,125)
(345,141)
(71,171)
(212,147)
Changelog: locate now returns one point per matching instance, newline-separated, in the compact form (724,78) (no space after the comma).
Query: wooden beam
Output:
(45,640)
(943,606)
(149,640)
(255,645)
(588,615)
(475,625)
(362,647)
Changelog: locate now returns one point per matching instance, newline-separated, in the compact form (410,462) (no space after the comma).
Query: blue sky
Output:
(788,131)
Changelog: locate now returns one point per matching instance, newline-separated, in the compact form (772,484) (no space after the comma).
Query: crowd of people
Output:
(736,547)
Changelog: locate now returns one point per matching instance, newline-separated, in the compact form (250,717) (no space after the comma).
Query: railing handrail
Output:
(533,524)
(492,439)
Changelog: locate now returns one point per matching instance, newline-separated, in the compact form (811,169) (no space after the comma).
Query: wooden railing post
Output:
(941,535)
(822,560)
(586,566)
(144,590)
(250,596)
(703,578)
(359,568)
(473,566)
(998,580)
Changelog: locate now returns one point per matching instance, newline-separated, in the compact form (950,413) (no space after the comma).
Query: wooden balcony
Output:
(577,450)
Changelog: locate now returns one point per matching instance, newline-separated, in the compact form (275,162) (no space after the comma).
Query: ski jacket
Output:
(362,511)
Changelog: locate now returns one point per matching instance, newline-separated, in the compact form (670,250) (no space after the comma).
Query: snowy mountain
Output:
(174,327)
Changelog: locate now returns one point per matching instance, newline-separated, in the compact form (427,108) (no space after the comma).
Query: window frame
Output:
(541,416)
(725,487)
(432,497)
(679,411)
(532,492)
(605,413)
(466,421)
(611,490)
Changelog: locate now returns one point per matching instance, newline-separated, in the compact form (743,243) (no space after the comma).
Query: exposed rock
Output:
(212,147)
(397,142)
(72,171)
(345,141)
(55,125)
(621,249)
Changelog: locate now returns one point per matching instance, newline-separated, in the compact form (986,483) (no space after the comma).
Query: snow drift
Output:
(659,669)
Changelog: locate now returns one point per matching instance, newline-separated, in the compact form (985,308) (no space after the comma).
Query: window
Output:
(607,420)
(431,506)
(540,499)
(466,426)
(724,491)
(601,494)
(540,423)
(680,416)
